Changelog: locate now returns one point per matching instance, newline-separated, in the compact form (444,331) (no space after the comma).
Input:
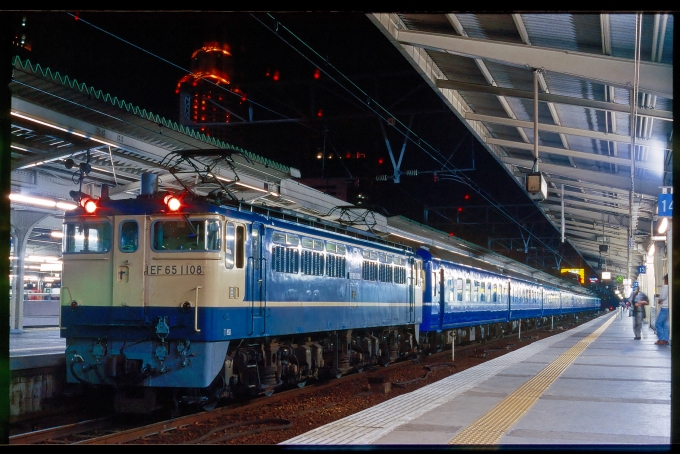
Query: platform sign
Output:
(635,284)
(642,269)
(665,205)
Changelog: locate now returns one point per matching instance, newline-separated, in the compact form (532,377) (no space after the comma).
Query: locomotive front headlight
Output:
(74,304)
(186,306)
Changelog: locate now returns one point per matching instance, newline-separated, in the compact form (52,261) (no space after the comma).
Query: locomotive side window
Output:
(369,267)
(240,245)
(229,238)
(385,271)
(255,247)
(286,259)
(311,260)
(186,235)
(337,261)
(87,237)
(129,236)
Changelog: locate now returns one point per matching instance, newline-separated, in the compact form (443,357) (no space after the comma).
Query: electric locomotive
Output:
(185,299)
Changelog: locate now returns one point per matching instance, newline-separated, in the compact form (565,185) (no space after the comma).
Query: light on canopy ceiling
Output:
(663,226)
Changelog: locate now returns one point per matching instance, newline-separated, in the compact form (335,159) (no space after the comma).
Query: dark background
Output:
(364,81)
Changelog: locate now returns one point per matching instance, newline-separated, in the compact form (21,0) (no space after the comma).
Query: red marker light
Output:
(89,205)
(172,202)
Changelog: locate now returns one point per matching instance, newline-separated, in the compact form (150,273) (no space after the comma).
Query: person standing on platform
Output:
(638,301)
(662,316)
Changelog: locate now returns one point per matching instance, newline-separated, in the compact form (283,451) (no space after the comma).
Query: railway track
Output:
(285,414)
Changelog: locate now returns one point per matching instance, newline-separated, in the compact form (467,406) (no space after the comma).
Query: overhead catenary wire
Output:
(364,98)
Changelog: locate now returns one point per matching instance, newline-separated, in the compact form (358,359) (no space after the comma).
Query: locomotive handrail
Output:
(196,311)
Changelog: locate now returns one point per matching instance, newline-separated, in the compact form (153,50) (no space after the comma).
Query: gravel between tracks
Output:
(272,423)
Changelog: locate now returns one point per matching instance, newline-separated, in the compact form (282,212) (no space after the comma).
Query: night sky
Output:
(140,56)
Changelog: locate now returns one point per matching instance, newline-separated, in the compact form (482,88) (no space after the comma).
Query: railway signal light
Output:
(317,73)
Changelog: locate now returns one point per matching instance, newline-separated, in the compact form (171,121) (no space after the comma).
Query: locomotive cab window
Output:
(180,235)
(129,236)
(87,237)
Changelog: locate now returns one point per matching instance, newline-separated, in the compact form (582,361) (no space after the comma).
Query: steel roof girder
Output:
(654,78)
(565,130)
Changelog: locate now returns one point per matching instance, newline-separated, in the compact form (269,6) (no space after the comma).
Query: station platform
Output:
(590,386)
(35,347)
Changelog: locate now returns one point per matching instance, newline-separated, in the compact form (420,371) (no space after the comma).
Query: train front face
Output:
(140,284)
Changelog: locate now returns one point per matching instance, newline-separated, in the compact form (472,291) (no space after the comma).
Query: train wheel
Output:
(207,398)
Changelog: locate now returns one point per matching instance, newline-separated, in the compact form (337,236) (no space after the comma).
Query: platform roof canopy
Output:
(584,70)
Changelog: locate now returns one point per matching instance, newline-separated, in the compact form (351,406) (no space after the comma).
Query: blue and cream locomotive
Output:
(191,299)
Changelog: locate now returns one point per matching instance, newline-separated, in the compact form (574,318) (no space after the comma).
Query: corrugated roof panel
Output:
(431,23)
(517,77)
(504,132)
(566,85)
(458,68)
(497,27)
(574,32)
(485,103)
(524,110)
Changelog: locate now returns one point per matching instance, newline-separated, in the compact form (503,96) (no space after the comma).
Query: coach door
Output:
(129,250)
(256,278)
(414,266)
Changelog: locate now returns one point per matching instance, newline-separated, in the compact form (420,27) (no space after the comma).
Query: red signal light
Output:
(450,233)
(467,197)
(460,209)
(276,75)
(381,161)
(319,113)
(317,73)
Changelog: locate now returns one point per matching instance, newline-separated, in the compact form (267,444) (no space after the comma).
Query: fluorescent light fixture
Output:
(663,226)
(659,238)
(57,234)
(62,129)
(39,201)
(50,267)
(651,250)
(42,258)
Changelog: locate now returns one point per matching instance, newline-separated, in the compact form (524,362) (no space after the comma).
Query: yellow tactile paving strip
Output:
(490,428)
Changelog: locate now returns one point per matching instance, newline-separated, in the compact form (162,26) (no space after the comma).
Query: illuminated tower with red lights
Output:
(207,96)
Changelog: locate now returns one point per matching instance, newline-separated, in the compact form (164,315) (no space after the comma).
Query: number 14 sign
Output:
(665,205)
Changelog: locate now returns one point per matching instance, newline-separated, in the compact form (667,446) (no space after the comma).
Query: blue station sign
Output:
(665,205)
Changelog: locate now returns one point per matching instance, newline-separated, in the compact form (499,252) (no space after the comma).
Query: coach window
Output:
(458,287)
(475,291)
(468,290)
(129,236)
(494,293)
(482,292)
(87,237)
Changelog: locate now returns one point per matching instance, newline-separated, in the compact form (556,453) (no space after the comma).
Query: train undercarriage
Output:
(261,366)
